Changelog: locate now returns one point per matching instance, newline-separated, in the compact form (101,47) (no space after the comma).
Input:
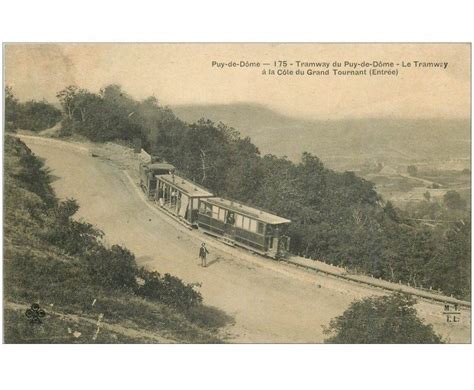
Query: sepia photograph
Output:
(237,193)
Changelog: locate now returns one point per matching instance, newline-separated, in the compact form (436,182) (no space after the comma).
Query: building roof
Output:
(188,187)
(248,211)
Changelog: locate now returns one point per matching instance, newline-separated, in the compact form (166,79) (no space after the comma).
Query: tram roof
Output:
(252,212)
(188,187)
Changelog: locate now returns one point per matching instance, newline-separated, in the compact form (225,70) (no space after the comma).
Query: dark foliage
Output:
(167,289)
(381,320)
(31,115)
(453,200)
(100,117)
(11,109)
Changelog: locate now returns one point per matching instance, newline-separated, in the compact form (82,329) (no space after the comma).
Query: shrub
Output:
(64,232)
(168,289)
(67,128)
(381,320)
(37,116)
(113,268)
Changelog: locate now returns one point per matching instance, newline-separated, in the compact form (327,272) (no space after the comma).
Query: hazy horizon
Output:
(315,119)
(181,74)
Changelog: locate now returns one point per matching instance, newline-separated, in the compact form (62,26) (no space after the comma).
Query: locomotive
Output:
(231,222)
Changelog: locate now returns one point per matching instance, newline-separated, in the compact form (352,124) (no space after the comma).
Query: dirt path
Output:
(271,302)
(424,181)
(125,331)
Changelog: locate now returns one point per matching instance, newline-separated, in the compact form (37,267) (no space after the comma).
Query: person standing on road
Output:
(202,254)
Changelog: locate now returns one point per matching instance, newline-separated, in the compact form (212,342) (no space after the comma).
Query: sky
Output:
(183,74)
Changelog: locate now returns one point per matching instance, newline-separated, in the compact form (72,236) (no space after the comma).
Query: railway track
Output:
(382,285)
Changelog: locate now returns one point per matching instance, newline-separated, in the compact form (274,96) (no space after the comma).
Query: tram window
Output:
(222,214)
(247,224)
(238,220)
(260,228)
(215,212)
(253,225)
(209,209)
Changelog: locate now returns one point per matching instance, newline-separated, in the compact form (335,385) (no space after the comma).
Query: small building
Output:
(180,197)
(245,226)
(147,176)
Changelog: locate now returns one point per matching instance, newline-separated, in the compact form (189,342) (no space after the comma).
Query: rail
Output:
(340,273)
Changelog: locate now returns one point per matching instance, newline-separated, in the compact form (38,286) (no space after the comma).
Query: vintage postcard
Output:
(237,193)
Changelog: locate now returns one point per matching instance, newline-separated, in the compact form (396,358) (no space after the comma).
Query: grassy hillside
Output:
(61,264)
(343,144)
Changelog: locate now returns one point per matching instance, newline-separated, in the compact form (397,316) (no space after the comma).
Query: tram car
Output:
(180,197)
(148,173)
(231,222)
(244,226)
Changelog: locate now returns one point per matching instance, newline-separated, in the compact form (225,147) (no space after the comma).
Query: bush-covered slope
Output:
(60,263)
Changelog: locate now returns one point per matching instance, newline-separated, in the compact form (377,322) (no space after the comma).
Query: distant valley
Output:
(349,144)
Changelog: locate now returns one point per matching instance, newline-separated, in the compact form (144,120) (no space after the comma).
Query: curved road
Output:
(270,302)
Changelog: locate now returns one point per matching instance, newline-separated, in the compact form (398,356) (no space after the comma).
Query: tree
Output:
(453,200)
(412,170)
(203,153)
(391,212)
(99,117)
(11,109)
(67,98)
(244,174)
(112,268)
(31,115)
(451,266)
(37,116)
(381,320)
